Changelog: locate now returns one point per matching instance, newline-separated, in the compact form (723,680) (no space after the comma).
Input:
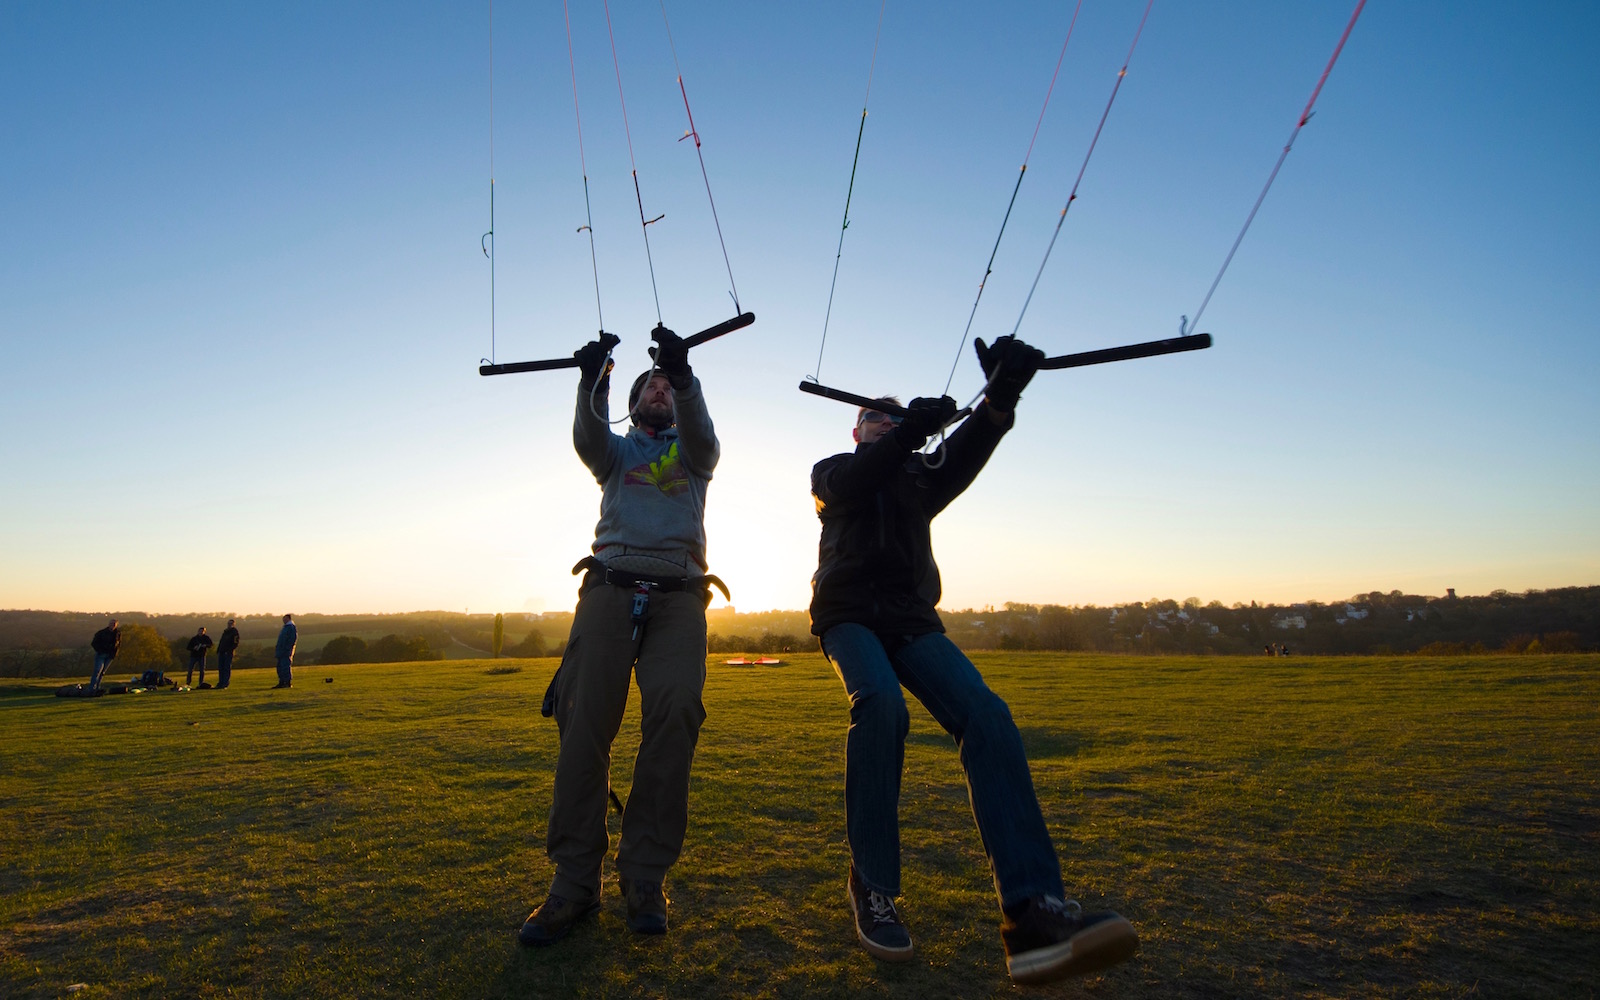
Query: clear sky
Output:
(242,301)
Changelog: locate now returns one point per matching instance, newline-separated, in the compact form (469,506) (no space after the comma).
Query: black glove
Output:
(671,356)
(923,419)
(594,358)
(1016,362)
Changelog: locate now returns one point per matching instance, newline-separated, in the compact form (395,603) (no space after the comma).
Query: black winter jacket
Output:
(199,644)
(875,559)
(230,640)
(107,641)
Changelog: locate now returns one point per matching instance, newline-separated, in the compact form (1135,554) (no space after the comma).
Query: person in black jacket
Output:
(226,646)
(105,644)
(873,601)
(198,647)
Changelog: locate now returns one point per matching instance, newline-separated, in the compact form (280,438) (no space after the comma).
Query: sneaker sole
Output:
(1099,947)
(538,939)
(872,947)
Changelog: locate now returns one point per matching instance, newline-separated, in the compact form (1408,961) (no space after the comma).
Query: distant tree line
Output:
(767,644)
(56,644)
(1549,621)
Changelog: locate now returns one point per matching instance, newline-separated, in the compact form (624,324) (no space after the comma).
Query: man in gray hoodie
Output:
(640,614)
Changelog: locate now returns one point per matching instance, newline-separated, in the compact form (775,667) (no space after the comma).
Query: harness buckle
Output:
(641,605)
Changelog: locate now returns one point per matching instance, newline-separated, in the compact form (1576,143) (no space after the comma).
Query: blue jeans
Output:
(101,662)
(224,667)
(998,782)
(284,675)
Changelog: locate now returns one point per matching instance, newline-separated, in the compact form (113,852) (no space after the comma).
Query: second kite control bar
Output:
(1148,349)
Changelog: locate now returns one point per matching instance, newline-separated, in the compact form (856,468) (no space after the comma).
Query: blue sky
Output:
(242,301)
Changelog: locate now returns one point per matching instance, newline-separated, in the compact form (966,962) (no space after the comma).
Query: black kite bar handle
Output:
(866,402)
(739,322)
(817,389)
(528,366)
(1149,349)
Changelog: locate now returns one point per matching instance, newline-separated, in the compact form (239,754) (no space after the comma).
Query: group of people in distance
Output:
(641,612)
(108,641)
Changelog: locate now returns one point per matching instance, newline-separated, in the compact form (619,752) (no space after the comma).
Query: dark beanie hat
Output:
(638,387)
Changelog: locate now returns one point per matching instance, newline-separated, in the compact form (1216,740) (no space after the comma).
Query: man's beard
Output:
(657,416)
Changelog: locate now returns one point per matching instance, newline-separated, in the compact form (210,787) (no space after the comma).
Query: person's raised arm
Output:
(1008,366)
(851,477)
(591,434)
(697,438)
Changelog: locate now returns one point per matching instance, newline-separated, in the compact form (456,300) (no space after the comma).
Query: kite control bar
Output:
(1149,349)
(866,402)
(739,322)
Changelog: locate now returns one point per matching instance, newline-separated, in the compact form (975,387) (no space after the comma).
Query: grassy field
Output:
(1305,827)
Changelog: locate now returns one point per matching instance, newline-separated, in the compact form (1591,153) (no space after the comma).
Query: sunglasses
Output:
(877,416)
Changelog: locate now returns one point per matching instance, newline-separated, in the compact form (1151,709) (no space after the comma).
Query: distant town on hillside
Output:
(1567,619)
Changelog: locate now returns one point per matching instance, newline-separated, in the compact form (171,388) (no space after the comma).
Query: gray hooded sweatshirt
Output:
(653,487)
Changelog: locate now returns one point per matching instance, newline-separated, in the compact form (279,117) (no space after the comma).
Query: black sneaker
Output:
(878,925)
(1047,939)
(647,906)
(553,920)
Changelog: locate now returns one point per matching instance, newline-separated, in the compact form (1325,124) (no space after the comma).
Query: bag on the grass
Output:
(79,691)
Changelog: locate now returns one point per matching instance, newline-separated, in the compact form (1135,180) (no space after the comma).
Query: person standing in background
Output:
(105,644)
(198,647)
(287,636)
(226,647)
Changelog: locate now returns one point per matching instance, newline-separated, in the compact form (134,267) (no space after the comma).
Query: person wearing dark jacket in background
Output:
(105,644)
(198,647)
(873,607)
(227,644)
(284,651)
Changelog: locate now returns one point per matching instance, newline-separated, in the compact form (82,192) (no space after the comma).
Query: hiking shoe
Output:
(647,906)
(878,925)
(553,920)
(1048,939)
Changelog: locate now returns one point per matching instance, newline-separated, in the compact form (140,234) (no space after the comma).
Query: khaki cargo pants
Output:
(669,662)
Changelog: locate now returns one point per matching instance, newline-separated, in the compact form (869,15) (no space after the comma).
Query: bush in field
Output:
(532,644)
(778,643)
(393,649)
(730,643)
(1519,643)
(1560,642)
(1453,649)
(344,649)
(143,648)
(499,640)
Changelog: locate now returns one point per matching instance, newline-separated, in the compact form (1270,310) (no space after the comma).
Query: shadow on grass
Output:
(1041,742)
(24,691)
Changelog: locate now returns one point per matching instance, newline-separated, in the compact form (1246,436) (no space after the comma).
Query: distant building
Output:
(1351,611)
(1290,621)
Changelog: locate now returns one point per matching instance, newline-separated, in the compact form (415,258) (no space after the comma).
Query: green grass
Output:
(1310,827)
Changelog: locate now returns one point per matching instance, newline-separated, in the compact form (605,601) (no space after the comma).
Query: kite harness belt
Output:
(597,572)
